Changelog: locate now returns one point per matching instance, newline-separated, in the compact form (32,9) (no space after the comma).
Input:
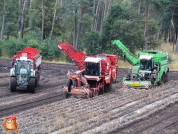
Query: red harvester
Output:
(95,75)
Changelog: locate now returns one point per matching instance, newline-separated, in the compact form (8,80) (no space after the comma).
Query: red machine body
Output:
(29,53)
(96,74)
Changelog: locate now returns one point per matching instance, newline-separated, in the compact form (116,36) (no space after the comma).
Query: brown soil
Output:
(37,113)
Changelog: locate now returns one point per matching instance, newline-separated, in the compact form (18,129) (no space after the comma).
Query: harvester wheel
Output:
(13,84)
(163,78)
(166,77)
(128,76)
(152,80)
(32,85)
(107,88)
(100,91)
(66,95)
(69,84)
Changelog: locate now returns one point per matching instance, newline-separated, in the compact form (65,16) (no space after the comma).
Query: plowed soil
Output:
(120,111)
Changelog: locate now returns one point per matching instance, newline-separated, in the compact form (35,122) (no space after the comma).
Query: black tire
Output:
(100,91)
(166,77)
(163,78)
(107,88)
(152,80)
(128,76)
(13,84)
(32,85)
(66,95)
(37,80)
(69,84)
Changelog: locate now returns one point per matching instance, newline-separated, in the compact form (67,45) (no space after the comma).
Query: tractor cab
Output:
(22,69)
(92,66)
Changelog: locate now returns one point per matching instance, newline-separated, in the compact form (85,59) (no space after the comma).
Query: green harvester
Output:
(149,67)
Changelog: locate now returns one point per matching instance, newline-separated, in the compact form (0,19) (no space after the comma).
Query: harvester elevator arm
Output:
(77,57)
(132,59)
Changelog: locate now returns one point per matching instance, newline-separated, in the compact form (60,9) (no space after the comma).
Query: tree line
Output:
(89,25)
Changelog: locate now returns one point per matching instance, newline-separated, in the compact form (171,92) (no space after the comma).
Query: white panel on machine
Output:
(38,61)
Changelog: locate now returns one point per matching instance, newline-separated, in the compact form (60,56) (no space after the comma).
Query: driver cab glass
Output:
(92,69)
(23,64)
(145,64)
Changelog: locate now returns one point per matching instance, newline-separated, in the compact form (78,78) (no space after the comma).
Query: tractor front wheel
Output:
(13,84)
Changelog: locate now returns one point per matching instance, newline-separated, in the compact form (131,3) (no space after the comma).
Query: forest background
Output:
(89,25)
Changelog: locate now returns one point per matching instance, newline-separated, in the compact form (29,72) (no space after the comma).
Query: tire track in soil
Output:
(31,103)
(161,122)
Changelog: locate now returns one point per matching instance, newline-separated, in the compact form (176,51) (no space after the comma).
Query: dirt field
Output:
(120,111)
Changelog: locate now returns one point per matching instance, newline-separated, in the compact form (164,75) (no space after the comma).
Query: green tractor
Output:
(149,68)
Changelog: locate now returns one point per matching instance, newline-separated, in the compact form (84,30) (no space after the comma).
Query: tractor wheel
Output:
(37,80)
(32,85)
(13,84)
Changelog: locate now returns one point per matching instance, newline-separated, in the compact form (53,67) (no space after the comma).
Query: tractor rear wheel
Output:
(32,85)
(37,80)
(13,84)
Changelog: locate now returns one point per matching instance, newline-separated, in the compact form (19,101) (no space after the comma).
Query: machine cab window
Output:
(22,65)
(146,64)
(92,69)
